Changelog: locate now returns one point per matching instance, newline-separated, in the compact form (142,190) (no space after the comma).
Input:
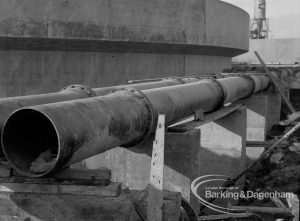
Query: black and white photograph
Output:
(149,110)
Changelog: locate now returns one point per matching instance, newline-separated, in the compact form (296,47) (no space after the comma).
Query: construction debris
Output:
(291,118)
(295,148)
(42,163)
(280,172)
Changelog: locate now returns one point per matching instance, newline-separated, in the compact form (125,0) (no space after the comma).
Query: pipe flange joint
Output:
(82,88)
(152,118)
(223,95)
(254,83)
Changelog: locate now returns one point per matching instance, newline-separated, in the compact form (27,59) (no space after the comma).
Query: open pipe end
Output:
(30,142)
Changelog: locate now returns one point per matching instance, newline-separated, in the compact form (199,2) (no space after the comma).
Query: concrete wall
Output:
(283,51)
(48,44)
(180,21)
(189,22)
(30,72)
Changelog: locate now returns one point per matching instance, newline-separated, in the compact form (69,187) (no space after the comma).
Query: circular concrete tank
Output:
(101,43)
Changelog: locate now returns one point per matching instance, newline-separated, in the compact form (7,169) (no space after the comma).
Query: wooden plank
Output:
(291,119)
(72,173)
(16,179)
(277,86)
(257,143)
(224,216)
(293,203)
(113,189)
(206,119)
(253,144)
(155,197)
(25,207)
(45,180)
(101,176)
(271,210)
(278,202)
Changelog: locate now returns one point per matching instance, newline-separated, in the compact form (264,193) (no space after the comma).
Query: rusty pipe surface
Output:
(72,92)
(74,130)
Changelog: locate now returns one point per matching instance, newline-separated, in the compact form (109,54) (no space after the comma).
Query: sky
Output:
(284,16)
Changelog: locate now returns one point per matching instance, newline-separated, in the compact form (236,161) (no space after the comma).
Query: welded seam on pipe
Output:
(222,91)
(152,116)
(246,76)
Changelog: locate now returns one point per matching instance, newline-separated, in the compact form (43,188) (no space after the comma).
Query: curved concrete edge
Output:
(47,44)
(236,8)
(226,25)
(170,26)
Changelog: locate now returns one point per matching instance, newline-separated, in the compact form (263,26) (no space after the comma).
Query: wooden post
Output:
(155,197)
(277,86)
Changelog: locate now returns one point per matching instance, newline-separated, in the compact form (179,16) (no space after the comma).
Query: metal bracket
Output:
(152,116)
(206,118)
(199,115)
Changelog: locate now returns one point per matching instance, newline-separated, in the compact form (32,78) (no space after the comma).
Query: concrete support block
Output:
(263,111)
(223,151)
(223,145)
(257,118)
(253,153)
(295,98)
(214,148)
(131,166)
(257,113)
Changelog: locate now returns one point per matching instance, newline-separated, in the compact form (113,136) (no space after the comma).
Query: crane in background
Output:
(259,27)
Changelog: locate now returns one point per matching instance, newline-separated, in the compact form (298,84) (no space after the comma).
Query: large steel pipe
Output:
(67,132)
(8,105)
